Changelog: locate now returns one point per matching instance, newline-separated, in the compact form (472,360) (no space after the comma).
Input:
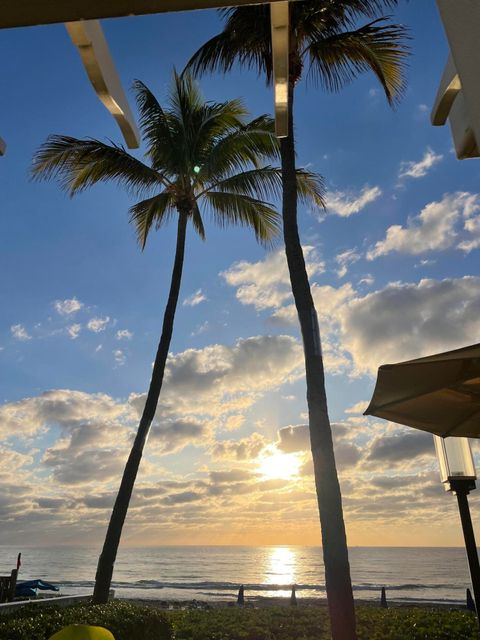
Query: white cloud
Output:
(98,324)
(201,328)
(68,306)
(433,229)
(345,204)
(74,331)
(123,334)
(345,259)
(472,226)
(19,332)
(120,357)
(266,284)
(219,379)
(61,408)
(194,299)
(410,320)
(423,108)
(412,169)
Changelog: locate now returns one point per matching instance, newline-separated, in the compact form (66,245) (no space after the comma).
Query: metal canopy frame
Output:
(81,18)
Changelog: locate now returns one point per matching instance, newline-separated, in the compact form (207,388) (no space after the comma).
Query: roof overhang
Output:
(26,13)
(458,97)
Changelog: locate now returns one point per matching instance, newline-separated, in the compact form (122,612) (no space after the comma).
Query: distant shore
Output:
(262,602)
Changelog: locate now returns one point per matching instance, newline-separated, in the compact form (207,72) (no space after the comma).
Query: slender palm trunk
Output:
(107,558)
(334,541)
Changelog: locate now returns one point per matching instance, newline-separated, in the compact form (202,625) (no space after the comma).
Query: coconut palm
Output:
(326,39)
(201,155)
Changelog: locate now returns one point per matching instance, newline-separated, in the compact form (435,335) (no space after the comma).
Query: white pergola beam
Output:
(26,13)
(459,94)
(279,13)
(87,36)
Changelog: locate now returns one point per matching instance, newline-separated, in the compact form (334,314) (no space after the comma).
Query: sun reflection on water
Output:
(281,568)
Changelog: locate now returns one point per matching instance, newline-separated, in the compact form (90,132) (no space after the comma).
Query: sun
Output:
(281,466)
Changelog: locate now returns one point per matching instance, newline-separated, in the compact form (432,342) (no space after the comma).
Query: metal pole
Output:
(470,544)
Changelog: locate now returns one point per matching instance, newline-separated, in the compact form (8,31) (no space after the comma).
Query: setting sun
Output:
(280,466)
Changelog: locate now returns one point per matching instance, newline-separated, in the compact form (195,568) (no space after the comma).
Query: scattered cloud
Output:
(432,230)
(74,331)
(408,320)
(68,306)
(194,299)
(119,357)
(345,204)
(19,332)
(345,259)
(412,169)
(123,334)
(266,284)
(98,324)
(471,226)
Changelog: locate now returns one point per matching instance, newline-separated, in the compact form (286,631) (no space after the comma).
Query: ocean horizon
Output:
(215,573)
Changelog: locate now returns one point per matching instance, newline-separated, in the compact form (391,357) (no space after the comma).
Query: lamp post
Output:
(457,472)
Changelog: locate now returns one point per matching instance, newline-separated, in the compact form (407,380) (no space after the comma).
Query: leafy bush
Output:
(311,623)
(124,620)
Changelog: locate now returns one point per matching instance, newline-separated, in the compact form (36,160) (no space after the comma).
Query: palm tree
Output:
(200,154)
(324,36)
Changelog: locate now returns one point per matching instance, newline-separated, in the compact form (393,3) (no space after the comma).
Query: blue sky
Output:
(82,308)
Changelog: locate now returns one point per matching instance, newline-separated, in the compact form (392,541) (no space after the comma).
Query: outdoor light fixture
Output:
(457,472)
(458,97)
(3,147)
(279,18)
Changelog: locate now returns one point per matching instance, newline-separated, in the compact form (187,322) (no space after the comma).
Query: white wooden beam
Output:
(279,13)
(459,93)
(87,36)
(25,13)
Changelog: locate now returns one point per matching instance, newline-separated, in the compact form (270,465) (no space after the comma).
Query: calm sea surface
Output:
(214,573)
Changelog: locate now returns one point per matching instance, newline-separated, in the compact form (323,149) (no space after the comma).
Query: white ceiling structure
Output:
(458,97)
(81,18)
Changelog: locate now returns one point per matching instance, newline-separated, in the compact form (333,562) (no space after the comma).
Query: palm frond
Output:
(245,39)
(198,222)
(153,211)
(310,188)
(79,164)
(250,144)
(233,208)
(338,59)
(155,126)
(264,183)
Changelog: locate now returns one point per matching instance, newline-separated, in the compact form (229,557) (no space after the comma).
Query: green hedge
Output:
(311,623)
(124,620)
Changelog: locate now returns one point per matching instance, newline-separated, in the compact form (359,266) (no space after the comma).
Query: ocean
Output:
(215,573)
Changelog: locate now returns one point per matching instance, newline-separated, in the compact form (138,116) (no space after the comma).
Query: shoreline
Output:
(254,602)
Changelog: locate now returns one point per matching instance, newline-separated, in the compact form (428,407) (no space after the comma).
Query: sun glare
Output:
(282,466)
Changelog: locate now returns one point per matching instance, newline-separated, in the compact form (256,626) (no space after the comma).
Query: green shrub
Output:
(125,621)
(311,623)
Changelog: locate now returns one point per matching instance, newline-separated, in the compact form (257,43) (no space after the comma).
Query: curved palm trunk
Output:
(107,558)
(334,541)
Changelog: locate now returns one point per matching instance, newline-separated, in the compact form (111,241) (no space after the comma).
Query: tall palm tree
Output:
(200,154)
(325,38)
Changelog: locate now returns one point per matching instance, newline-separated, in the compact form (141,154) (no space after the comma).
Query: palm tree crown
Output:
(201,156)
(323,35)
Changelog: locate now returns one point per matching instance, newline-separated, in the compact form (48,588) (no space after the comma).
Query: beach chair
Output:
(82,632)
